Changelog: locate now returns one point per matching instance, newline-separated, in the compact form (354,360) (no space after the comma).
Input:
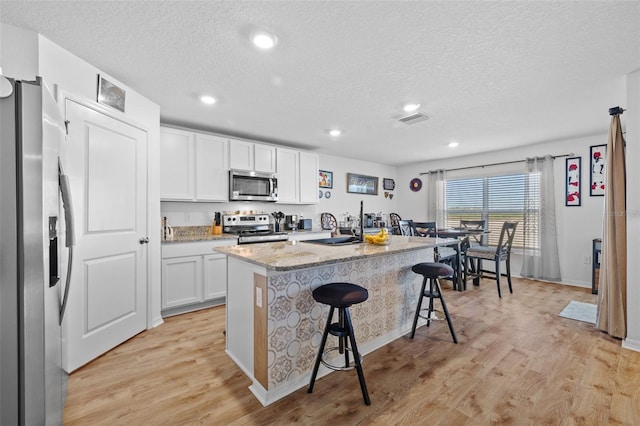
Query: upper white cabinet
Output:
(297,177)
(212,169)
(177,181)
(252,156)
(288,176)
(264,158)
(308,178)
(193,166)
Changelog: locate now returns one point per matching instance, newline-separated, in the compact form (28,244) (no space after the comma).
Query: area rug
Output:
(580,311)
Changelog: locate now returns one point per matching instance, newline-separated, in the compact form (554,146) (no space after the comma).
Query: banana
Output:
(379,238)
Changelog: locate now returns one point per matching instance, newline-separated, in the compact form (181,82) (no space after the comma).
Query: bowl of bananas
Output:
(381,238)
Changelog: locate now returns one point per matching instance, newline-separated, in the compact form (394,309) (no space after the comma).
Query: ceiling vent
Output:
(412,118)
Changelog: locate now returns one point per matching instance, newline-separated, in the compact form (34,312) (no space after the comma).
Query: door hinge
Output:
(66,126)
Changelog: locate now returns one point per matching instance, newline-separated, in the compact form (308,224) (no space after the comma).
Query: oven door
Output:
(252,186)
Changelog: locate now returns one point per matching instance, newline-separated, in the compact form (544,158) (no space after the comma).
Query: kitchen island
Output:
(274,326)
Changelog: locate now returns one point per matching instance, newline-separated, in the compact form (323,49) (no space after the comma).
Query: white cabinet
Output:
(177,151)
(288,176)
(181,281)
(215,276)
(264,158)
(252,156)
(297,177)
(193,166)
(308,178)
(212,169)
(193,276)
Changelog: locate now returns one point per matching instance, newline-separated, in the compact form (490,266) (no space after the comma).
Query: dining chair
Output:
(474,238)
(328,221)
(406,228)
(475,225)
(423,229)
(394,218)
(496,254)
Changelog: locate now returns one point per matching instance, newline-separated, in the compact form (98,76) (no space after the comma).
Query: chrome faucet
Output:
(361,220)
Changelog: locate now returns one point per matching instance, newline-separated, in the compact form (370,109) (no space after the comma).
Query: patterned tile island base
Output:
(274,326)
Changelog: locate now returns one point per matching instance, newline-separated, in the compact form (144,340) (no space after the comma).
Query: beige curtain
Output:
(612,286)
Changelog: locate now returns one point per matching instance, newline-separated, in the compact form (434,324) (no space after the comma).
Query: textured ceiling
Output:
(488,74)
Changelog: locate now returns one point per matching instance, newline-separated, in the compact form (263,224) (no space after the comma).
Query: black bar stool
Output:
(341,296)
(432,272)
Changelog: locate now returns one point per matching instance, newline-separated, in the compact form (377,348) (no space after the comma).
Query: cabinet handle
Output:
(144,240)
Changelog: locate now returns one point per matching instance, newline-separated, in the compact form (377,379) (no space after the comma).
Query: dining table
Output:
(458,234)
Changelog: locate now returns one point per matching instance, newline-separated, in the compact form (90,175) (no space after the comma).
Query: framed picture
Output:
(573,195)
(598,156)
(325,179)
(388,184)
(110,94)
(360,184)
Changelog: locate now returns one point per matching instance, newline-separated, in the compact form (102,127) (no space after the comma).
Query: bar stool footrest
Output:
(433,316)
(335,367)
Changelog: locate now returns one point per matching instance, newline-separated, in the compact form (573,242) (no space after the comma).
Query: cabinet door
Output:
(288,176)
(308,178)
(264,158)
(176,165)
(181,281)
(240,155)
(212,169)
(215,276)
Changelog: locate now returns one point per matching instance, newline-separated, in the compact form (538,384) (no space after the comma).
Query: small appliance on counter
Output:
(291,222)
(305,224)
(369,218)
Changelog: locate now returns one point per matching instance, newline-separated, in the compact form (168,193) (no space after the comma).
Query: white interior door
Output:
(106,161)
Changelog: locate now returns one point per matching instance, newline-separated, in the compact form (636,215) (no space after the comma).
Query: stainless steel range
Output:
(252,228)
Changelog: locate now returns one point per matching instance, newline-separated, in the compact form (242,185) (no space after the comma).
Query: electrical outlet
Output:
(586,260)
(187,217)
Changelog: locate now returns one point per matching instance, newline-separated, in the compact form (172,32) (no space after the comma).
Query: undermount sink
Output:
(335,241)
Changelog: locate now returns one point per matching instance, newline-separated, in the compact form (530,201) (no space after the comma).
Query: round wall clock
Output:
(415,184)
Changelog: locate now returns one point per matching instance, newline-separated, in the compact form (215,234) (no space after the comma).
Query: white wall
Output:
(577,226)
(25,54)
(632,119)
(340,202)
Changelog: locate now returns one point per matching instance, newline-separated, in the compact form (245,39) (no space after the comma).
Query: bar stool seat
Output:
(341,296)
(432,271)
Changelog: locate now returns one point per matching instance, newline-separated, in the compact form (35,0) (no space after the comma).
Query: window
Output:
(496,199)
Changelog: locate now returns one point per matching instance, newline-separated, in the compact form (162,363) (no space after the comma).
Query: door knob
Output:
(144,240)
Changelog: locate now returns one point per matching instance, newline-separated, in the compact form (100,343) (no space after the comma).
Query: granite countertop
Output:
(187,234)
(291,255)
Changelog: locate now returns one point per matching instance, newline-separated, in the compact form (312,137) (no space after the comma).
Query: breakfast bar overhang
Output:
(274,326)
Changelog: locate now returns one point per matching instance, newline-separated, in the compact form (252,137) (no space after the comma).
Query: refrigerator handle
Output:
(54,273)
(65,190)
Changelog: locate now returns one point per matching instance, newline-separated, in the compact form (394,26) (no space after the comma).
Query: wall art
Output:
(361,184)
(415,185)
(325,179)
(388,184)
(573,194)
(598,156)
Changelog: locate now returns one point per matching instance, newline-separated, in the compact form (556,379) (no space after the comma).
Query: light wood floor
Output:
(517,363)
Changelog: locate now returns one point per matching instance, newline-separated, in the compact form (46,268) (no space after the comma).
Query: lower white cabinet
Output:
(193,276)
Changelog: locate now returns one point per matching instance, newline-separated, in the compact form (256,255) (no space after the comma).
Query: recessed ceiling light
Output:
(453,144)
(335,132)
(410,107)
(264,40)
(209,100)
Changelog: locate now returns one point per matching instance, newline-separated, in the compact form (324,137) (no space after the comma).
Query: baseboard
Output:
(631,344)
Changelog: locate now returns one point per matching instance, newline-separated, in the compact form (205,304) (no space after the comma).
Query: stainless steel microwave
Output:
(252,186)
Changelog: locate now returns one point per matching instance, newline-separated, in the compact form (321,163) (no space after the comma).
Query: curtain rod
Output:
(495,164)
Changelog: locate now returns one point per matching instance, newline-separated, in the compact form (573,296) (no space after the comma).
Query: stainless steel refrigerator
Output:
(32,382)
